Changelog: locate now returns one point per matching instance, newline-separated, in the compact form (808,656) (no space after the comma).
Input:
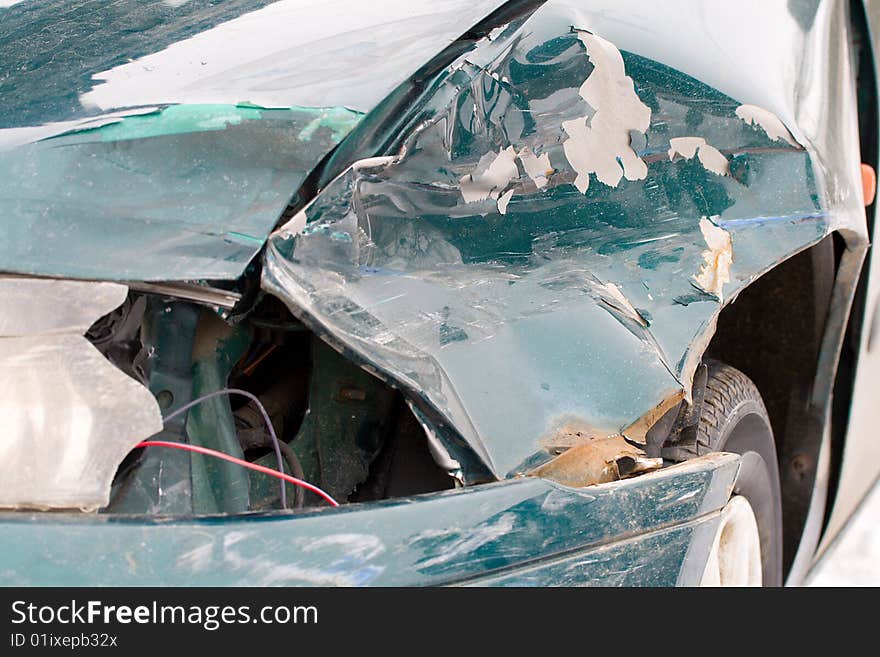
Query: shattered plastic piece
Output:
(496,32)
(34,306)
(597,462)
(601,144)
(69,416)
(768,121)
(715,272)
(710,157)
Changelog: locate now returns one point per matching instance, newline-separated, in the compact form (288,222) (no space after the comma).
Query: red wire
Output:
(244,464)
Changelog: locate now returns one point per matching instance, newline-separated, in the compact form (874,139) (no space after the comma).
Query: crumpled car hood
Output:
(163,141)
(539,258)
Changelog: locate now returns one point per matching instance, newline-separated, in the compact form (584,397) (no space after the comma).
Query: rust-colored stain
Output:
(571,434)
(596,461)
(638,429)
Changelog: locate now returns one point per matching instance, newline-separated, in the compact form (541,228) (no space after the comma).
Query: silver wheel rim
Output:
(735,557)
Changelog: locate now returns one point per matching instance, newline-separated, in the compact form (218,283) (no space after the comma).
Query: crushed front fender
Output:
(541,256)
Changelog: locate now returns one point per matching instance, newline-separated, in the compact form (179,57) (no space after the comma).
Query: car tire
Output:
(733,418)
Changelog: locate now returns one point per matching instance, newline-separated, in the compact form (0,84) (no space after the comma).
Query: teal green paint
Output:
(248,239)
(189,118)
(177,119)
(338,119)
(471,310)
(497,530)
(656,559)
(188,192)
(651,259)
(218,486)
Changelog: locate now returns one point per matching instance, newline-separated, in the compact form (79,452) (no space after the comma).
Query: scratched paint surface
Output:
(203,121)
(551,239)
(184,191)
(440,538)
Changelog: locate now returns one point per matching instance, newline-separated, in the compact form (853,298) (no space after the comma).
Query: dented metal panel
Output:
(163,141)
(496,530)
(549,242)
(187,191)
(536,253)
(597,461)
(69,417)
(666,557)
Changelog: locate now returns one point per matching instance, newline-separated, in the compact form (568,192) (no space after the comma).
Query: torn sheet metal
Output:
(508,308)
(100,182)
(69,416)
(597,461)
(718,258)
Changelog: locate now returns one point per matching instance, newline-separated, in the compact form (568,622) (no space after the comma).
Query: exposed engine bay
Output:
(337,426)
(258,386)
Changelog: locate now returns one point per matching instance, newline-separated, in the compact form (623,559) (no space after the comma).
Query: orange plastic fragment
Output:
(869,183)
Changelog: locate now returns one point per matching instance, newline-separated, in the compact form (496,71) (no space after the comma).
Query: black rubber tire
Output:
(734,419)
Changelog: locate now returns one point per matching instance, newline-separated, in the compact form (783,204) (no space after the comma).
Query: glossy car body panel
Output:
(166,143)
(442,538)
(587,277)
(568,301)
(860,465)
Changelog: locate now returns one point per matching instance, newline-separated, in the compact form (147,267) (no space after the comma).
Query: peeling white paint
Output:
(710,157)
(497,32)
(768,121)
(503,200)
(377,162)
(713,160)
(537,168)
(493,173)
(620,301)
(601,144)
(715,271)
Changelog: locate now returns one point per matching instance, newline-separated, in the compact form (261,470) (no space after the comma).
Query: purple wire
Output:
(253,398)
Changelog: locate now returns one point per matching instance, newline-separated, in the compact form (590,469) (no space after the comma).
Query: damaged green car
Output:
(421,293)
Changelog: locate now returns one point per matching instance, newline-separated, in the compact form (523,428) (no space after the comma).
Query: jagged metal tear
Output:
(519,302)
